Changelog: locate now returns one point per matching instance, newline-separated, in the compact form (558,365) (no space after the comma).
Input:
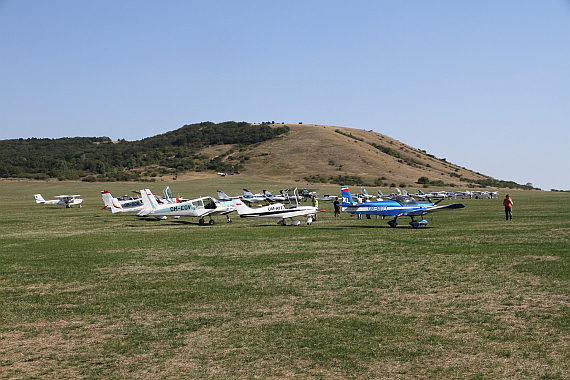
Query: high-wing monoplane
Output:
(277,211)
(62,200)
(399,205)
(198,208)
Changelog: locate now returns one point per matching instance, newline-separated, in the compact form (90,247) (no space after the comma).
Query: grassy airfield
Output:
(85,294)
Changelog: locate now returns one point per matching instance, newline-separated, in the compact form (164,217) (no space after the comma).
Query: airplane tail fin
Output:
(39,198)
(364,190)
(115,206)
(148,199)
(241,207)
(346,197)
(223,196)
(107,198)
(247,193)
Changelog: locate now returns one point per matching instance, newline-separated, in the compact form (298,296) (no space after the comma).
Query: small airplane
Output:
(167,196)
(364,196)
(224,197)
(198,208)
(270,197)
(278,211)
(63,200)
(126,203)
(399,205)
(248,196)
(327,197)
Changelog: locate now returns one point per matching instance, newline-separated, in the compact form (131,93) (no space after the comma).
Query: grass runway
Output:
(87,294)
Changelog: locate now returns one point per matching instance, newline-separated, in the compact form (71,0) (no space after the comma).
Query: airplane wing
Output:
(423,211)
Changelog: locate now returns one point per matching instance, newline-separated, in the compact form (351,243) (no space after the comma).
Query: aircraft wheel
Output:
(201,221)
(212,222)
(80,206)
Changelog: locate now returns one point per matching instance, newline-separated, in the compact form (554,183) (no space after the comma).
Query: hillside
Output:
(321,152)
(289,152)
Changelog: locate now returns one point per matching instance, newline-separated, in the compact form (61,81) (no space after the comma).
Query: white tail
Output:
(39,198)
(149,201)
(106,195)
(222,196)
(116,206)
(241,207)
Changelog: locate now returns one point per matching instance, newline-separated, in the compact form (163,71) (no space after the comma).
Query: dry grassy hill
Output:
(310,150)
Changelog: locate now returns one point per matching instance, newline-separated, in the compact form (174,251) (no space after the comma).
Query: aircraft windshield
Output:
(405,200)
(209,204)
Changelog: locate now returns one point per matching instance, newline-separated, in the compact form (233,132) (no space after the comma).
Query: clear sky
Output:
(484,84)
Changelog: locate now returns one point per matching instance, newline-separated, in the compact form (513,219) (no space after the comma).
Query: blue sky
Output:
(484,84)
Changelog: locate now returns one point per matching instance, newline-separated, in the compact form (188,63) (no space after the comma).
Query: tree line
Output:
(100,159)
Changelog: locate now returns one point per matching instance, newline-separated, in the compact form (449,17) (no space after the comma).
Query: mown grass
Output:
(87,294)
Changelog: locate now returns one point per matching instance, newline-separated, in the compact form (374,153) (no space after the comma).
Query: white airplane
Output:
(381,197)
(463,194)
(63,200)
(272,197)
(295,196)
(327,197)
(224,197)
(198,208)
(252,198)
(167,196)
(278,211)
(365,196)
(125,203)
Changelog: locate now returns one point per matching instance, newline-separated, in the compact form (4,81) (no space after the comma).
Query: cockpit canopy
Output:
(405,200)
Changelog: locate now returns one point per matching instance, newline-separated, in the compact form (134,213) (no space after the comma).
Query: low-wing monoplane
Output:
(62,200)
(277,211)
(126,203)
(249,197)
(399,205)
(198,208)
(327,197)
(270,197)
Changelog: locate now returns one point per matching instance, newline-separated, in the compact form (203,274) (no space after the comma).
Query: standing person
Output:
(508,203)
(315,204)
(336,204)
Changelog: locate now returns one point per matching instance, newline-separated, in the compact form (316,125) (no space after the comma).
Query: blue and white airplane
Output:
(399,205)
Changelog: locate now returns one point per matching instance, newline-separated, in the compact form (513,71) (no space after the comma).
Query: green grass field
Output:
(87,294)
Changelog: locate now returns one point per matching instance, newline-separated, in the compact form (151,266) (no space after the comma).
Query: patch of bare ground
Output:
(37,349)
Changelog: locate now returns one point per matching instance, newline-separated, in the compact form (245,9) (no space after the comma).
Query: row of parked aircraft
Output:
(284,206)
(440,194)
(162,207)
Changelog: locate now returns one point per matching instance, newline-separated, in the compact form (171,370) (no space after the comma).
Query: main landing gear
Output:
(418,223)
(414,223)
